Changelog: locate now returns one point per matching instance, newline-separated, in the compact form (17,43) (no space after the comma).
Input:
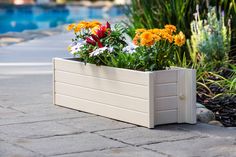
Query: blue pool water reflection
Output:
(28,17)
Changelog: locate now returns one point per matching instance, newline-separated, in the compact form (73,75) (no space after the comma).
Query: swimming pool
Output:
(30,17)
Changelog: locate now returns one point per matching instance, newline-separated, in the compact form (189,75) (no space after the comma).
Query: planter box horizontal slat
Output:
(169,76)
(166,117)
(102,109)
(166,103)
(130,76)
(142,98)
(117,87)
(99,96)
(165,90)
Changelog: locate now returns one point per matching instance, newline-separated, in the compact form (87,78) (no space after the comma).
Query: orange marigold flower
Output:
(168,37)
(136,40)
(145,43)
(156,37)
(170,28)
(141,30)
(156,31)
(180,39)
(146,36)
(71,27)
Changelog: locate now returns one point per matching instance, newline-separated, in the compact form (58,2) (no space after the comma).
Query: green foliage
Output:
(157,13)
(217,83)
(210,40)
(157,57)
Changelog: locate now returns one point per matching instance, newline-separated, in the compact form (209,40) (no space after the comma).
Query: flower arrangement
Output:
(151,49)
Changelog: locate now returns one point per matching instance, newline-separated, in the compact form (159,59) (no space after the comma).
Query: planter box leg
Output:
(186,96)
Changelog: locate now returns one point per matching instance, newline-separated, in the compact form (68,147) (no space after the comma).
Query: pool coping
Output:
(11,38)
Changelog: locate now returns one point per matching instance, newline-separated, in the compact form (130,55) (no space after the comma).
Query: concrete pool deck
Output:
(30,126)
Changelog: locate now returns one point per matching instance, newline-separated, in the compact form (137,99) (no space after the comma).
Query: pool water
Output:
(30,17)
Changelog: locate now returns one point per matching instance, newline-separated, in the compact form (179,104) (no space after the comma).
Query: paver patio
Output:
(30,126)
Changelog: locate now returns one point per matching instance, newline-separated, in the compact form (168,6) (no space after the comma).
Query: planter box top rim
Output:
(103,66)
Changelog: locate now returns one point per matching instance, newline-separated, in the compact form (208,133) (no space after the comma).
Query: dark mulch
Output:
(224,108)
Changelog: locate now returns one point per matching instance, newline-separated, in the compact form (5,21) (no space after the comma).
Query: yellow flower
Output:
(180,39)
(170,28)
(69,48)
(83,24)
(78,27)
(94,29)
(95,24)
(70,27)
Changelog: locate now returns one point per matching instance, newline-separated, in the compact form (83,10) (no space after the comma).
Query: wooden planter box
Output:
(142,98)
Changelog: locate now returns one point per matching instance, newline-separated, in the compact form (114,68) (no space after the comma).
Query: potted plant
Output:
(131,82)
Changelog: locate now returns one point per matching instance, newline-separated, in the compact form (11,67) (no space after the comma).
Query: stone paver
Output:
(38,130)
(208,147)
(84,142)
(9,150)
(96,123)
(141,136)
(31,126)
(118,152)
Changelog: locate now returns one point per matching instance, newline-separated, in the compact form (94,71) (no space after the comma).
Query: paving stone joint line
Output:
(86,151)
(27,149)
(55,135)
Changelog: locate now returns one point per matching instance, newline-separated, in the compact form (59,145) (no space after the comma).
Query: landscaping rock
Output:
(216,123)
(200,105)
(204,115)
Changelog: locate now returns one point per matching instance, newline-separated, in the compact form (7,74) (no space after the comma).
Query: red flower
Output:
(95,38)
(108,25)
(99,44)
(95,41)
(90,41)
(101,32)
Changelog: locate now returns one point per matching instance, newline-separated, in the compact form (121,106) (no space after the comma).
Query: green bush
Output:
(210,39)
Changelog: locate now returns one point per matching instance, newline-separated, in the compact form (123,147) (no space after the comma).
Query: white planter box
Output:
(142,98)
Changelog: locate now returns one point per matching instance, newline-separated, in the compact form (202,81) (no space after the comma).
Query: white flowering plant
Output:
(102,45)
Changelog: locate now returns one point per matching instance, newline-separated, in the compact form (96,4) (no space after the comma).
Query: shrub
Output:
(210,39)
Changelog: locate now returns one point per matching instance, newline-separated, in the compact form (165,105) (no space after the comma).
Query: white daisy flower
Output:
(100,51)
(131,48)
(76,46)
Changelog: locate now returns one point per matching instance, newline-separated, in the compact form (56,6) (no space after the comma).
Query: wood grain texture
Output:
(99,96)
(165,117)
(111,73)
(118,87)
(102,109)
